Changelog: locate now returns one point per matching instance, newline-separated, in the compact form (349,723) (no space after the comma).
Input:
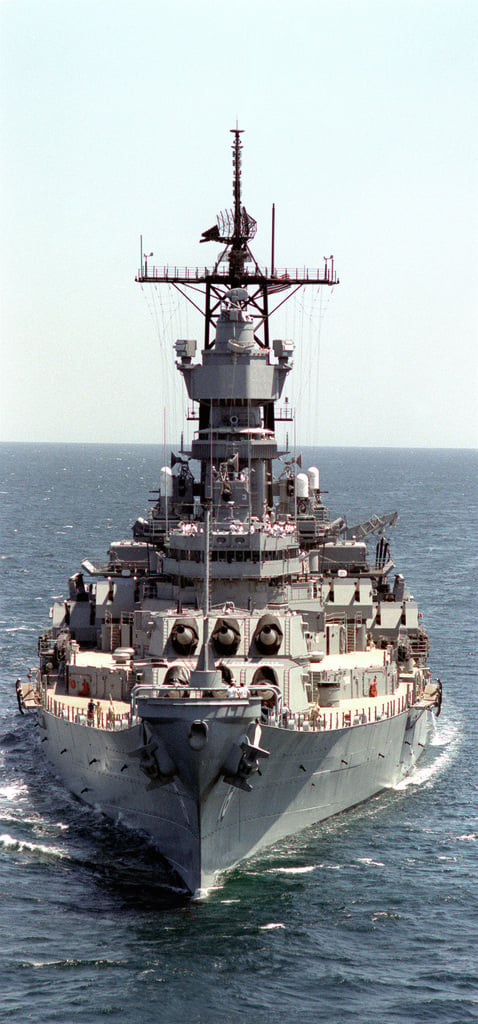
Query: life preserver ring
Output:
(73,684)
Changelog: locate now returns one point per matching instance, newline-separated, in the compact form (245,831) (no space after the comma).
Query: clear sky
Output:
(360,125)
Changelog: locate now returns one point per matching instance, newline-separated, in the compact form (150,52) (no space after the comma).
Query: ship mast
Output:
(240,237)
(236,267)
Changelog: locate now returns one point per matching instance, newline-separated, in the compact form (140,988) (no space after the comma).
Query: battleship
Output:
(243,666)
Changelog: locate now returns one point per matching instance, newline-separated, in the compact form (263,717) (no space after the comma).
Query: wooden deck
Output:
(107,714)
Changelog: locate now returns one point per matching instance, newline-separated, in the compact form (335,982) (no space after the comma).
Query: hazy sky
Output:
(360,124)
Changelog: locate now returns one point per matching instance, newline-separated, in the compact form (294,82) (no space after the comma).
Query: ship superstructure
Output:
(244,666)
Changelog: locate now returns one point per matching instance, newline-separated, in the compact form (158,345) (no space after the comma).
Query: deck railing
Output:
(310,720)
(335,718)
(101,718)
(280,278)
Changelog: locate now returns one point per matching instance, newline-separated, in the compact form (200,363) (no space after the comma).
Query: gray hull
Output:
(202,825)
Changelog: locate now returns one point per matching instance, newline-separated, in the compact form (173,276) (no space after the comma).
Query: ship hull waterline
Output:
(200,824)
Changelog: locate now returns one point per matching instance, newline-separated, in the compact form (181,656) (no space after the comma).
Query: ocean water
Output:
(372,917)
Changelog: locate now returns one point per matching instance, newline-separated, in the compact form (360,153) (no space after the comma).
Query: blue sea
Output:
(372,917)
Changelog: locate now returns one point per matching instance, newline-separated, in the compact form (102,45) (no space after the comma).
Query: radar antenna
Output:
(236,267)
(234,228)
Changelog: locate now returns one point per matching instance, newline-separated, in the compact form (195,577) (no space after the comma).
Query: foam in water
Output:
(9,842)
(295,870)
(420,776)
(11,792)
(447,739)
(445,733)
(384,915)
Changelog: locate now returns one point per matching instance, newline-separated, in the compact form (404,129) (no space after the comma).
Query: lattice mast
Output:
(236,266)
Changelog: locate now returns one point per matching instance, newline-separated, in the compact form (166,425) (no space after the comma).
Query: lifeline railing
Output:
(277,280)
(101,718)
(312,720)
(323,719)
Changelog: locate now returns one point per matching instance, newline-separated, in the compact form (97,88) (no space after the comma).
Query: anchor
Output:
(155,761)
(242,762)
